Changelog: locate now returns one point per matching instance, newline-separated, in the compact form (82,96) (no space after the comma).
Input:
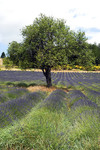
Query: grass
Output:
(24,83)
(46,129)
(43,129)
(30,83)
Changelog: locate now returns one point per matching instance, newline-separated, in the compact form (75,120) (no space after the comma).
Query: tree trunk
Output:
(47,74)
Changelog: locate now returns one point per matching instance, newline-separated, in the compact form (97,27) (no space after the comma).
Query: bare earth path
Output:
(43,88)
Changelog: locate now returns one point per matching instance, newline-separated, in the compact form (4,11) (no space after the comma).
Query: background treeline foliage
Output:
(3,55)
(96,52)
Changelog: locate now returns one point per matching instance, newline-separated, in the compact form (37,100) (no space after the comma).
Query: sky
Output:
(78,14)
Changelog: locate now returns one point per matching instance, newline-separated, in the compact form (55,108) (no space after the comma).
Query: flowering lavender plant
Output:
(16,108)
(56,100)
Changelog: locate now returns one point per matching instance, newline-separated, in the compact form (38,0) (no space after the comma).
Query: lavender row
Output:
(12,94)
(14,109)
(70,78)
(77,79)
(57,100)
(77,98)
(84,102)
(20,76)
(29,75)
(93,95)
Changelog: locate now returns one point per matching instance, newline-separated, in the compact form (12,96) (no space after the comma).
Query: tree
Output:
(47,43)
(3,55)
(46,40)
(96,52)
(81,52)
(7,63)
(13,52)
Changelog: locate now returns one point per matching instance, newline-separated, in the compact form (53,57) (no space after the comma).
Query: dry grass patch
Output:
(44,88)
(41,88)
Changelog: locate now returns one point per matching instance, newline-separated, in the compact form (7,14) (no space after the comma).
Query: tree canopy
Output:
(96,52)
(81,54)
(13,51)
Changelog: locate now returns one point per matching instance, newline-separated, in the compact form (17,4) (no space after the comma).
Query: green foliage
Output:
(3,55)
(63,67)
(25,64)
(23,84)
(13,52)
(96,52)
(7,63)
(81,54)
(46,38)
(58,67)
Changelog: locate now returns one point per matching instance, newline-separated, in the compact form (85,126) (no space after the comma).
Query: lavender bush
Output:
(12,93)
(83,102)
(56,100)
(16,108)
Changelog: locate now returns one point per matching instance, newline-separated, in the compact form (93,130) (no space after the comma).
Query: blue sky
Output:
(3,48)
(78,14)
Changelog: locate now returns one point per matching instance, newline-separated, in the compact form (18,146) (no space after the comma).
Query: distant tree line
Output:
(95,48)
(3,55)
(49,42)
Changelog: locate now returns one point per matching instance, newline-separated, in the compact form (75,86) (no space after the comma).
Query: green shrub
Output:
(7,63)
(58,67)
(64,67)
(69,67)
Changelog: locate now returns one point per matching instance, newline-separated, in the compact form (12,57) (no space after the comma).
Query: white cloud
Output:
(15,14)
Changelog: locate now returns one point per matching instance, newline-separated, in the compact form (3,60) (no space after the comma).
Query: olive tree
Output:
(47,40)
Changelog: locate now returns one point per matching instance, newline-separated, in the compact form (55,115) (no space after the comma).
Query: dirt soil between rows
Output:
(44,88)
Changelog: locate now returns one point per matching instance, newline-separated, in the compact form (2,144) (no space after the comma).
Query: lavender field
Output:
(56,120)
(88,83)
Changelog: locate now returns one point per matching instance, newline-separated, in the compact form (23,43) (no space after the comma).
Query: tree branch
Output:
(44,72)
